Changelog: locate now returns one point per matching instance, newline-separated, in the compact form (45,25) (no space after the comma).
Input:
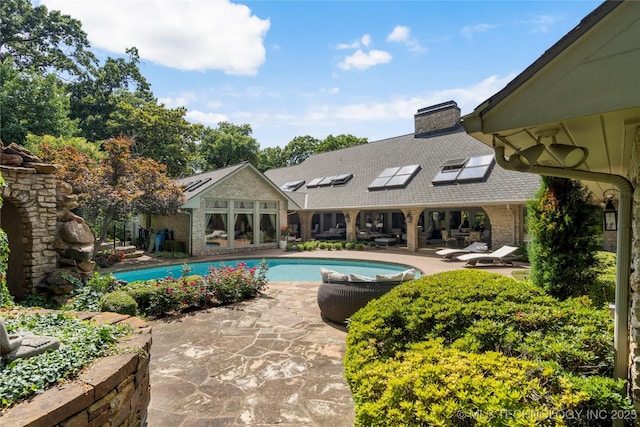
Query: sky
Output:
(302,67)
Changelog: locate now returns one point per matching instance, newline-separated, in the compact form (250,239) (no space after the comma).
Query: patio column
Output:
(411,220)
(305,224)
(350,218)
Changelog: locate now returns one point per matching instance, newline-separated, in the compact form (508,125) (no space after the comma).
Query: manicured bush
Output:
(430,384)
(86,296)
(558,350)
(119,302)
(337,246)
(322,245)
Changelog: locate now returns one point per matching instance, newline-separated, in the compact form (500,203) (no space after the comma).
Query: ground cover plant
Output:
(479,348)
(82,342)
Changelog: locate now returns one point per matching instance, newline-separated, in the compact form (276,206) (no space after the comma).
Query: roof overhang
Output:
(585,88)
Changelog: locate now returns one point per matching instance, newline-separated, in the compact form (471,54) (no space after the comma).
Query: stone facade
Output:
(634,281)
(506,224)
(28,216)
(113,391)
(436,118)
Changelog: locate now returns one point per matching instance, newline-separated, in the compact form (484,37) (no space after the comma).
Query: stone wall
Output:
(634,281)
(506,224)
(32,196)
(113,391)
(436,118)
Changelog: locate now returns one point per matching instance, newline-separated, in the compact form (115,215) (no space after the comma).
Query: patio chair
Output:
(451,253)
(446,238)
(503,256)
(474,236)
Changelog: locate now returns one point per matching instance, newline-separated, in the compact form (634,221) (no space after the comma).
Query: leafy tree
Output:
(332,143)
(299,149)
(31,102)
(47,147)
(270,158)
(96,96)
(159,133)
(562,223)
(117,185)
(36,38)
(227,145)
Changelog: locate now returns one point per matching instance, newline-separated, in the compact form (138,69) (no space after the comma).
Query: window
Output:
(330,180)
(213,204)
(464,170)
(292,185)
(314,182)
(396,177)
(243,204)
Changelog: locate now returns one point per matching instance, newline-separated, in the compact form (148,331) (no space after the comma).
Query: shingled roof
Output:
(429,150)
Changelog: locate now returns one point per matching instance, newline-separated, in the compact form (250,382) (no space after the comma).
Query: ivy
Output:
(6,300)
(82,342)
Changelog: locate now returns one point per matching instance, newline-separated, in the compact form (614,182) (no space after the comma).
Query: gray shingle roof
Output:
(207,179)
(366,162)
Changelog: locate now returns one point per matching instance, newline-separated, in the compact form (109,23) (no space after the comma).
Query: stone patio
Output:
(271,361)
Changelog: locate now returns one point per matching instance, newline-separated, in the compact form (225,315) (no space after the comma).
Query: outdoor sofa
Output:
(341,295)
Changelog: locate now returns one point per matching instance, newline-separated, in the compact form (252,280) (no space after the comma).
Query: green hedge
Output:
(489,331)
(119,302)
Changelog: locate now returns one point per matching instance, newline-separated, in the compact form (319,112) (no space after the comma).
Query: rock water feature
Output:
(52,229)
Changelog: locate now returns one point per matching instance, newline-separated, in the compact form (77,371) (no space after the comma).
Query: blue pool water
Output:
(280,269)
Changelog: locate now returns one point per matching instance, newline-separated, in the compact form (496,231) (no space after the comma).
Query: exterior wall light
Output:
(610,214)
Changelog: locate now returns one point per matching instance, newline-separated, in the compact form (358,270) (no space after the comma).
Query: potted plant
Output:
(284,234)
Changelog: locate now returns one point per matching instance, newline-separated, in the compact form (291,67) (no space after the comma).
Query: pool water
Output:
(280,269)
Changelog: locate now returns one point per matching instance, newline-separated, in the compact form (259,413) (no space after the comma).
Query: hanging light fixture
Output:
(522,160)
(569,156)
(610,213)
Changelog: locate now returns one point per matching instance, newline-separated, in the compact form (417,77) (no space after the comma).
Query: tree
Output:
(332,143)
(32,103)
(38,39)
(563,226)
(299,149)
(48,147)
(96,96)
(159,133)
(227,145)
(118,185)
(270,158)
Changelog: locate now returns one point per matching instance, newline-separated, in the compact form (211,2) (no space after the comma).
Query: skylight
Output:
(195,185)
(330,180)
(292,185)
(314,182)
(396,177)
(464,170)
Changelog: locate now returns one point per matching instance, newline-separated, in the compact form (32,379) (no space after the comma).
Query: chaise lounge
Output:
(341,295)
(452,253)
(503,256)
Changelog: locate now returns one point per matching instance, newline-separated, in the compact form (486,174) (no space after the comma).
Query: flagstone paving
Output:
(270,361)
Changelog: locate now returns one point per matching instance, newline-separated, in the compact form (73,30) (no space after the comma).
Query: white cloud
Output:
(364,41)
(399,34)
(182,100)
(184,34)
(469,31)
(541,23)
(206,118)
(402,34)
(361,60)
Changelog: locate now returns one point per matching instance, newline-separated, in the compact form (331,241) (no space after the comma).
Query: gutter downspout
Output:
(623,251)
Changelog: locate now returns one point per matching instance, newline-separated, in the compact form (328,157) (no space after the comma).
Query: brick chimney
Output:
(437,118)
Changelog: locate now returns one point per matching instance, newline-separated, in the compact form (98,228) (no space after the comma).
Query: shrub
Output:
(119,302)
(430,384)
(348,245)
(155,298)
(430,348)
(86,297)
(322,245)
(173,246)
(300,247)
(108,258)
(480,311)
(232,284)
(337,246)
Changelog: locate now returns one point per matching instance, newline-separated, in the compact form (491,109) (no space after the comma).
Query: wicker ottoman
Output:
(338,301)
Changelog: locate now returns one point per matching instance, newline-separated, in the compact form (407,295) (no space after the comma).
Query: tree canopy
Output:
(36,38)
(227,145)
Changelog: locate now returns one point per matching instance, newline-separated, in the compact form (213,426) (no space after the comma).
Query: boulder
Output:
(26,155)
(61,281)
(11,159)
(43,168)
(78,253)
(75,232)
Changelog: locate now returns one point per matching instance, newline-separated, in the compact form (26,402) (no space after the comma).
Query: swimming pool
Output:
(280,269)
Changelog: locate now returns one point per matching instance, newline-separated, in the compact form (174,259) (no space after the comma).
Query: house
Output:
(410,189)
(575,113)
(227,210)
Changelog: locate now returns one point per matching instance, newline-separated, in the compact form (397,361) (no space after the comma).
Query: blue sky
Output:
(293,68)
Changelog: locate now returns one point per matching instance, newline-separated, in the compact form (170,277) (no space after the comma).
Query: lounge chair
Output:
(503,256)
(451,253)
